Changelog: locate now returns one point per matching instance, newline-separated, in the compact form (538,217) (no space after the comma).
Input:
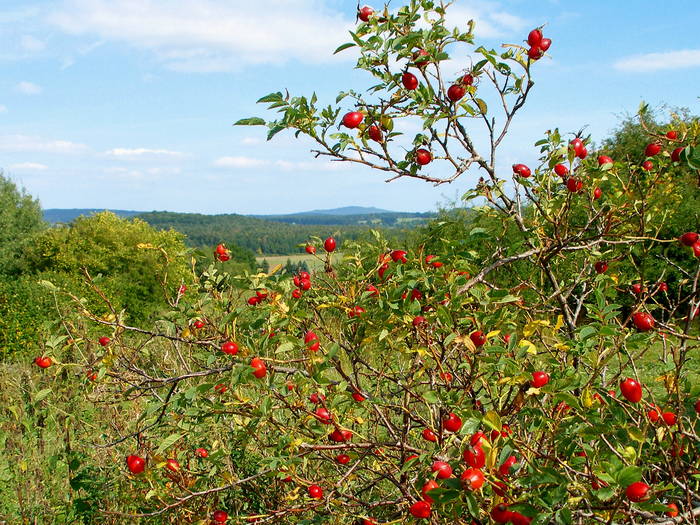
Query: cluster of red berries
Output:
(691,239)
(222,253)
(302,281)
(538,44)
(259,297)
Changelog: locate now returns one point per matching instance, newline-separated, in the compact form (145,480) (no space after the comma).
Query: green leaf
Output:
(629,475)
(431,397)
(272,97)
(252,121)
(344,46)
(492,420)
(41,394)
(168,442)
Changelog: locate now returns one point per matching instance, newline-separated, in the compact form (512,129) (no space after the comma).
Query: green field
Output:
(313,262)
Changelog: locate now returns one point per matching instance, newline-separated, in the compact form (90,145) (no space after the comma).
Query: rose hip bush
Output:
(496,381)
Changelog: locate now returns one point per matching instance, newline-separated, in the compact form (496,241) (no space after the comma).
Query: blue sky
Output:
(129,103)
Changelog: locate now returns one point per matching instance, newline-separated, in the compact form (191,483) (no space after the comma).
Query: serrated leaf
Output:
(41,394)
(168,442)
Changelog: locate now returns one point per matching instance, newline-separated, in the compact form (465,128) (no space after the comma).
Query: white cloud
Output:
(239,162)
(491,20)
(132,153)
(22,143)
(28,88)
(3,109)
(211,35)
(29,166)
(32,44)
(682,59)
(283,165)
(249,141)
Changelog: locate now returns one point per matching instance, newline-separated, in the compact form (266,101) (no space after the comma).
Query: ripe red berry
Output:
(539,379)
(689,238)
(423,157)
(522,170)
(631,390)
(221,249)
(561,170)
(637,491)
(43,362)
(296,294)
(637,289)
(353,119)
(653,414)
(427,487)
(577,145)
(435,264)
(574,185)
(409,81)
(399,256)
(535,37)
(418,320)
(601,267)
(474,456)
(697,406)
(643,321)
(342,459)
(229,347)
(604,159)
(663,287)
(340,436)
(136,464)
(172,465)
(443,469)
(421,58)
(669,418)
(310,249)
(198,324)
(315,492)
(696,249)
(456,92)
(420,509)
(535,53)
(505,467)
(220,516)
(478,338)
(201,452)
(429,435)
(501,514)
(104,341)
(364,13)
(375,133)
(468,79)
(329,244)
(545,44)
(254,301)
(676,154)
(652,149)
(479,437)
(259,368)
(472,479)
(647,165)
(672,135)
(597,193)
(672,511)
(452,423)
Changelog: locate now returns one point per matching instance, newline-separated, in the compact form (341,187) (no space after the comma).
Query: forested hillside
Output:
(258,235)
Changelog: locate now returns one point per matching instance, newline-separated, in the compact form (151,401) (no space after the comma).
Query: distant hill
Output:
(56,215)
(345,210)
(269,234)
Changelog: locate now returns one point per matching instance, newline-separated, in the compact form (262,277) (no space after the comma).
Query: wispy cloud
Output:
(681,59)
(23,143)
(210,35)
(28,88)
(239,162)
(32,44)
(3,109)
(283,165)
(29,166)
(134,153)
